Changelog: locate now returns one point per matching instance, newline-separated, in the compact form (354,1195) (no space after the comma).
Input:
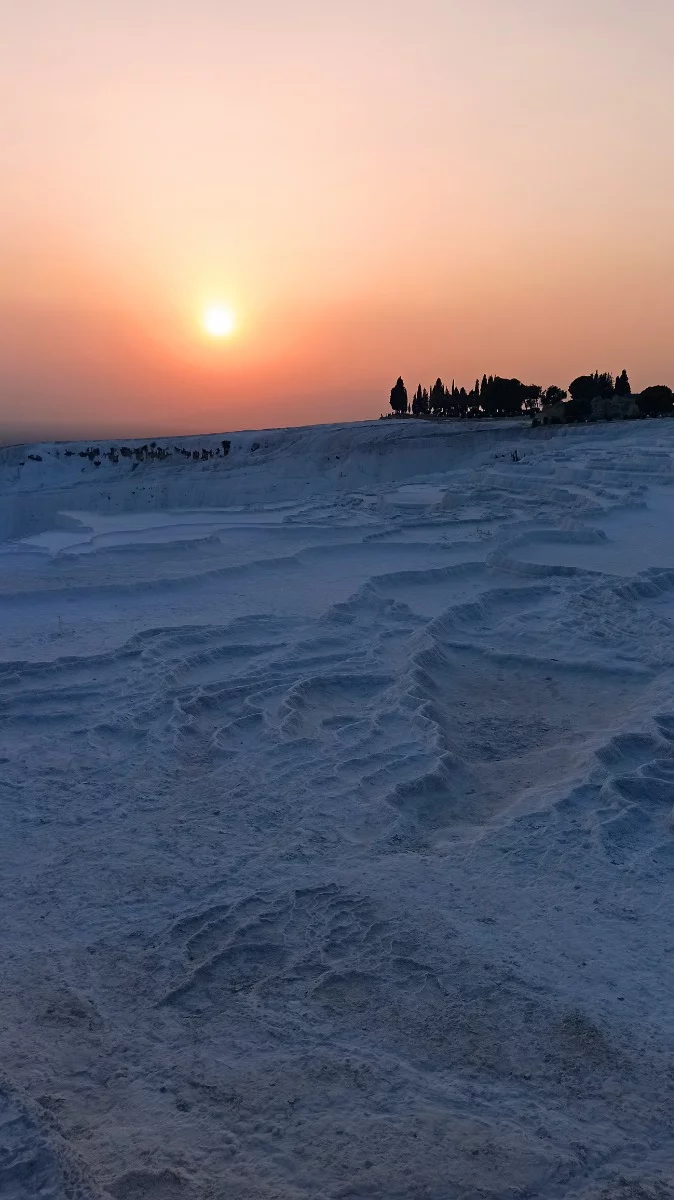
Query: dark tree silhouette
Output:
(553,395)
(438,398)
(578,409)
(488,398)
(448,401)
(532,397)
(399,397)
(506,397)
(605,384)
(420,402)
(622,385)
(589,387)
(494,396)
(657,401)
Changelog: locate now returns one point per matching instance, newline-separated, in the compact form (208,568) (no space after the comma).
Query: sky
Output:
(421,188)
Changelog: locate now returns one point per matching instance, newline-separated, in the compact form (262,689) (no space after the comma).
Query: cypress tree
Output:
(398,399)
(437,398)
(622,385)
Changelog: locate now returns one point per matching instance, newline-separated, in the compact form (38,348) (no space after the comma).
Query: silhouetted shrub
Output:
(657,401)
(578,408)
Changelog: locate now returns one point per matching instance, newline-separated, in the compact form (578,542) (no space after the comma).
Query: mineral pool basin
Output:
(637,537)
(87,531)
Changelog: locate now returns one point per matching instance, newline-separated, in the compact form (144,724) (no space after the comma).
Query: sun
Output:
(219,321)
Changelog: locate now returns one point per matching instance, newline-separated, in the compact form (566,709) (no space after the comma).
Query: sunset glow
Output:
(219,322)
(383,189)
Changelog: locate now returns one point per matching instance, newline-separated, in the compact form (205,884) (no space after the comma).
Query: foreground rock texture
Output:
(337,782)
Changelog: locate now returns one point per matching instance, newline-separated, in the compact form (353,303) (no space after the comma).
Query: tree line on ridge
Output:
(589,397)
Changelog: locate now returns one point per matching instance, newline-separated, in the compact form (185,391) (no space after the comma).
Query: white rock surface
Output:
(336,794)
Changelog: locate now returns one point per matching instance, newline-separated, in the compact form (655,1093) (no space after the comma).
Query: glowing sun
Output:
(219,321)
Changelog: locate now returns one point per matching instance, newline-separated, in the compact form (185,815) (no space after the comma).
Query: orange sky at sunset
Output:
(437,188)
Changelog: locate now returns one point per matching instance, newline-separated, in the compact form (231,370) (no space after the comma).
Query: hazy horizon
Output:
(17,436)
(63,432)
(431,190)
